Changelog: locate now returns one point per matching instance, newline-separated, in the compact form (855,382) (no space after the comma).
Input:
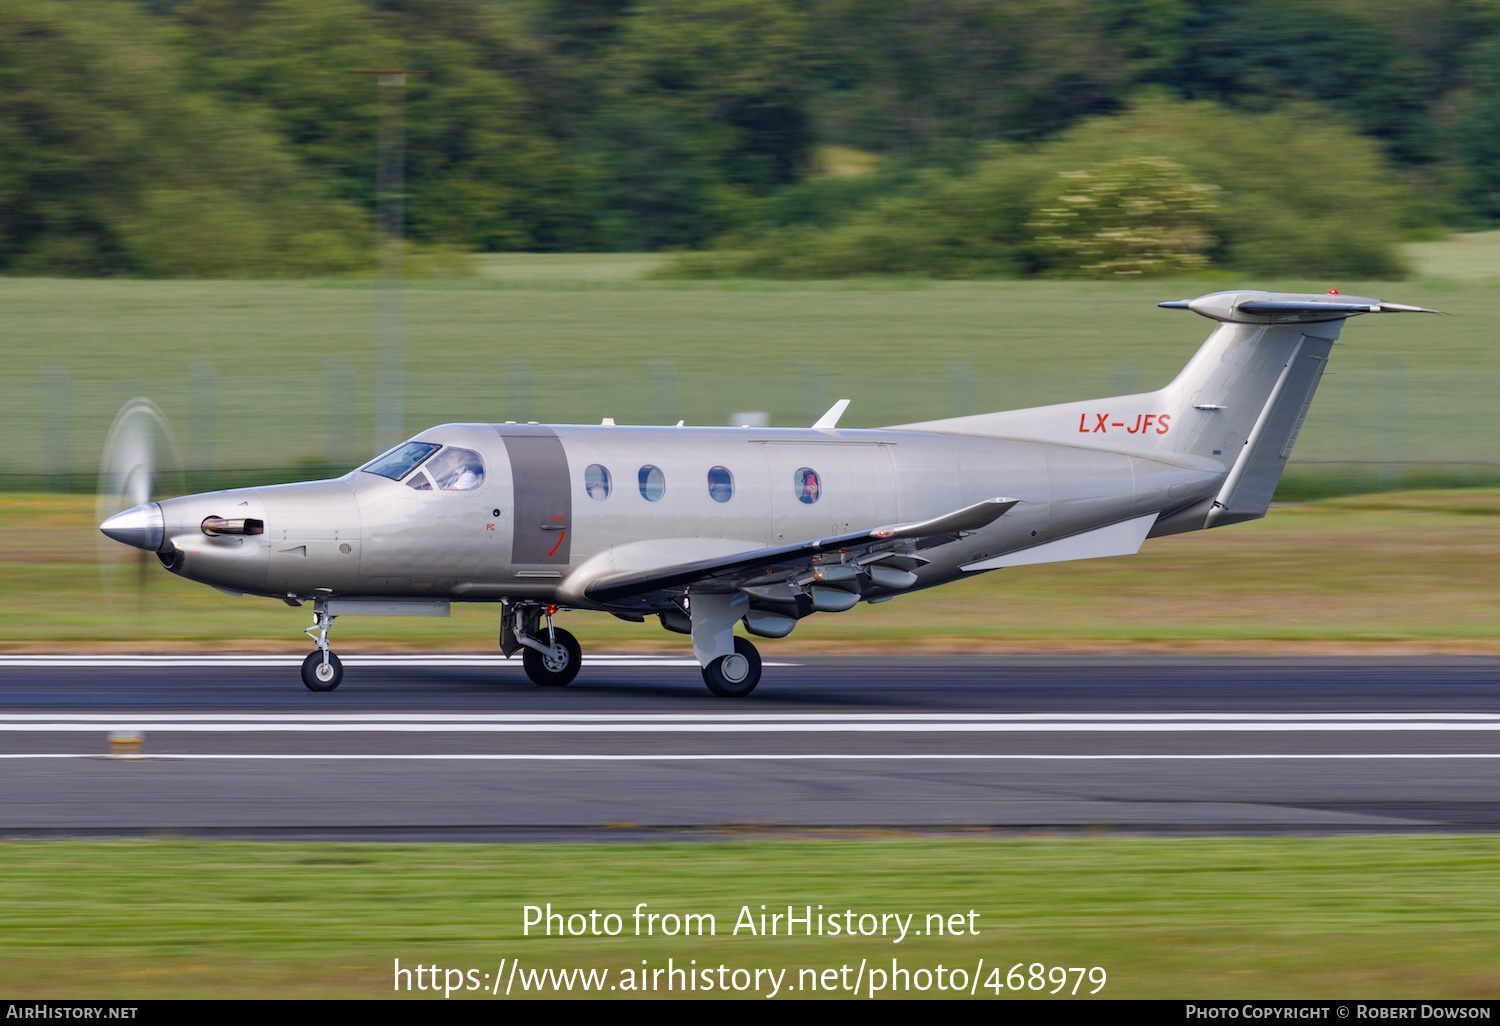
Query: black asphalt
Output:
(896,682)
(1299,752)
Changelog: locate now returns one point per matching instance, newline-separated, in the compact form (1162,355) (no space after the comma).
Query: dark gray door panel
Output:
(543,517)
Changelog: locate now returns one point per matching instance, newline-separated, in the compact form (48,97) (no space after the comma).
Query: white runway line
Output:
(599,723)
(668,719)
(263,661)
(716,757)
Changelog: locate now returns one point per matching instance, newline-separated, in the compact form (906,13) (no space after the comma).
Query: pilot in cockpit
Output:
(457,470)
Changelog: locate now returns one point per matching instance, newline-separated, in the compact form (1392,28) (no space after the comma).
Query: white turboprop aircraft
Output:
(706,528)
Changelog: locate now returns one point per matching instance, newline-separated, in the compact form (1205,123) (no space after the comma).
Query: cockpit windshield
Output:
(397,463)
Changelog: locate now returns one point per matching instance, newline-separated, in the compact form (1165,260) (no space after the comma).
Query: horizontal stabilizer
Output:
(1276,307)
(1270,307)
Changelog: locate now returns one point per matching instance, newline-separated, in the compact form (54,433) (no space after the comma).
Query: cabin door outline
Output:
(542,520)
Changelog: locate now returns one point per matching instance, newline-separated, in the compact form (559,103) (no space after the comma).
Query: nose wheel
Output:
(321,670)
(734,675)
(319,675)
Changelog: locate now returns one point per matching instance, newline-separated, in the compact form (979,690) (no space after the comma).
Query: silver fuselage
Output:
(532,530)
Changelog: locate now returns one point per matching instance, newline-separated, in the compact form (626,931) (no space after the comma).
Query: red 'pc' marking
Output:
(560,536)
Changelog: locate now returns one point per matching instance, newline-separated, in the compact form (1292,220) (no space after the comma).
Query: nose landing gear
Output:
(321,670)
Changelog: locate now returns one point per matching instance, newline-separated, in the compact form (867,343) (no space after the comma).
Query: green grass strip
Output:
(1388,916)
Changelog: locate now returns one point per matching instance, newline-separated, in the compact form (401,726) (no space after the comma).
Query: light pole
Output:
(390,359)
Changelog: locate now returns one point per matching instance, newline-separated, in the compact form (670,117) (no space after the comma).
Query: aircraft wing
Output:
(730,570)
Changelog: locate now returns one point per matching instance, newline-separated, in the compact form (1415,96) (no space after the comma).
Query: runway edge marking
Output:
(716,757)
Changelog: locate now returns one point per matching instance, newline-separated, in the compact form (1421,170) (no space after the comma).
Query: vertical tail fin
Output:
(1251,384)
(1262,411)
(1235,409)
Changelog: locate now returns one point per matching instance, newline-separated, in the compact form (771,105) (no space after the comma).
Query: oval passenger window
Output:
(720,484)
(807,484)
(653,483)
(597,482)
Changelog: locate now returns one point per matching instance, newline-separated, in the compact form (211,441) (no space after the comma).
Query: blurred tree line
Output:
(216,137)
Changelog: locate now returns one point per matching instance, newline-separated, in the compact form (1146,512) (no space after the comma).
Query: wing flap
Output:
(1122,539)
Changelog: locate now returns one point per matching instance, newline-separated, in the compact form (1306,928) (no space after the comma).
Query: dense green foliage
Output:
(210,137)
(1136,216)
(1282,193)
(110,162)
(485,174)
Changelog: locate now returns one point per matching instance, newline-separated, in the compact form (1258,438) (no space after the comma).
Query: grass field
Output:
(1209,918)
(1397,572)
(261,379)
(265,381)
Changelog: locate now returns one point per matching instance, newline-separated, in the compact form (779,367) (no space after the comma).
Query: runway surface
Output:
(466,748)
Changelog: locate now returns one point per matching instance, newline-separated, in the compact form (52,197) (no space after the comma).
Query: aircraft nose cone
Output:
(142,526)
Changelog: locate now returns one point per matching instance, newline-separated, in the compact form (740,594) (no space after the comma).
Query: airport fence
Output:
(1369,429)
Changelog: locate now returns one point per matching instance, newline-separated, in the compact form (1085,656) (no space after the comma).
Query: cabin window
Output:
(653,483)
(457,470)
(597,482)
(419,481)
(397,463)
(808,486)
(720,484)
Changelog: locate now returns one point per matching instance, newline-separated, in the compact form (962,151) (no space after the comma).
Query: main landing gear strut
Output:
(550,655)
(731,665)
(321,670)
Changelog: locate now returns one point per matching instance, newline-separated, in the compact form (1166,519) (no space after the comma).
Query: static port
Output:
(218,525)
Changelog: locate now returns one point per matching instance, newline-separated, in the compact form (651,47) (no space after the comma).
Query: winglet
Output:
(970,518)
(830,420)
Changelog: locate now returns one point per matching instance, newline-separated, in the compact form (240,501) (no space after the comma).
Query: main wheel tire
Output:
(735,675)
(557,669)
(318,677)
